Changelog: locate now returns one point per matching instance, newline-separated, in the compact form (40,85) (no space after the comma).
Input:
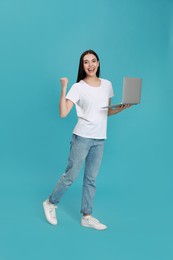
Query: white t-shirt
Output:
(92,118)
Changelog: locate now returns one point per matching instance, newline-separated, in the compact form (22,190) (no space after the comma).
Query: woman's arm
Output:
(117,110)
(65,105)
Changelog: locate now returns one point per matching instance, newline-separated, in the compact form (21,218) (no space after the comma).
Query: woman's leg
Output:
(78,152)
(93,162)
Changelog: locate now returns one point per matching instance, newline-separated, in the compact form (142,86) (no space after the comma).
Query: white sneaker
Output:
(49,210)
(89,221)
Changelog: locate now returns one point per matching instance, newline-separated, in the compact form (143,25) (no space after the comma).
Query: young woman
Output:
(90,94)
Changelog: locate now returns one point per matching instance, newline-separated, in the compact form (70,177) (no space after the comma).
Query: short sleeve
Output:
(73,94)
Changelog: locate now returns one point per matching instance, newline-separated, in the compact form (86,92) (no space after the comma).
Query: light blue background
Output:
(41,41)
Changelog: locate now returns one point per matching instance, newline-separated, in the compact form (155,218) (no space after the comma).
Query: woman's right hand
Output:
(64,82)
(65,105)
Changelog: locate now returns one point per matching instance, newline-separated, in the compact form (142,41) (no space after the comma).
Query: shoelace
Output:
(94,220)
(52,211)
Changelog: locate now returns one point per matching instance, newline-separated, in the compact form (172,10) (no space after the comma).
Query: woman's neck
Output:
(93,81)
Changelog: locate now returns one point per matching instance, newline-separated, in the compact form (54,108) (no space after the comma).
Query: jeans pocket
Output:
(82,139)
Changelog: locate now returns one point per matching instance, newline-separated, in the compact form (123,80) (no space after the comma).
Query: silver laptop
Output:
(131,92)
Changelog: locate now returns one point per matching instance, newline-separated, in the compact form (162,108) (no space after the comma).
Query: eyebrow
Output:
(91,60)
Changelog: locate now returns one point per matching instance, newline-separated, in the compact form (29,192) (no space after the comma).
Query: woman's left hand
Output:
(122,107)
(117,110)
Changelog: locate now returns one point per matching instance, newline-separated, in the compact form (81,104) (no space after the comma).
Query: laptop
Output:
(131,92)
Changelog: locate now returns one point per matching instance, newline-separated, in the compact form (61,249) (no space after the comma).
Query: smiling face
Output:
(90,65)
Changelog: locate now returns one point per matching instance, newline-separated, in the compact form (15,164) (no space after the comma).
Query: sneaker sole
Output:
(85,225)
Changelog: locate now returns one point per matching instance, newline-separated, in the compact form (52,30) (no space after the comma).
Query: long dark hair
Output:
(81,72)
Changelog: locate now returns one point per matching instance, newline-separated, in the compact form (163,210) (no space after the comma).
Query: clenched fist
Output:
(64,82)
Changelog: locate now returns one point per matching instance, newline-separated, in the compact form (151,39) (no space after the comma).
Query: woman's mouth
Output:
(91,70)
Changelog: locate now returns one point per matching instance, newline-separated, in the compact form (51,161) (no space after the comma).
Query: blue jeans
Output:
(81,149)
